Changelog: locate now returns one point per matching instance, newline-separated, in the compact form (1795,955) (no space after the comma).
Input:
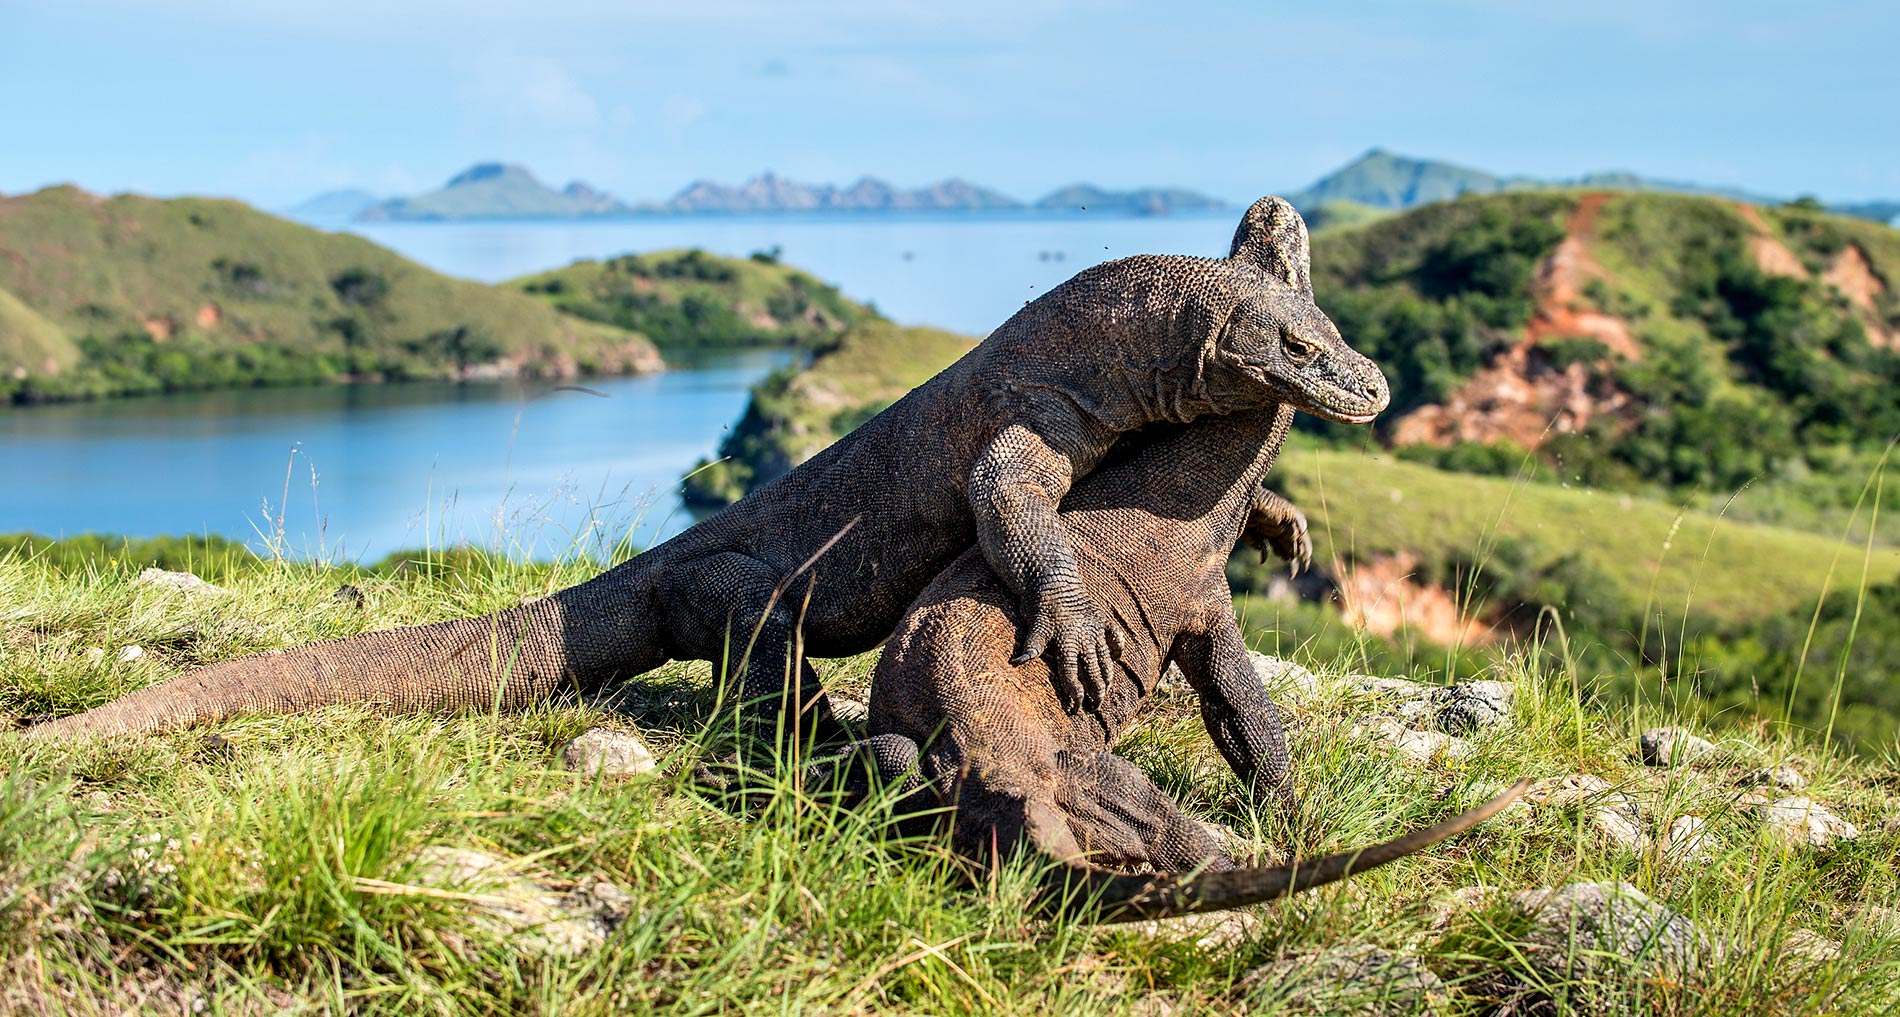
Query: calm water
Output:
(403,466)
(395,466)
(963,272)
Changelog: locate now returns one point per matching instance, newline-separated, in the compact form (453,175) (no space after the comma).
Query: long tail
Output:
(1106,896)
(577,639)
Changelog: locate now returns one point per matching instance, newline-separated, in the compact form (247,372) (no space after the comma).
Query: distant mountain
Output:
(770,192)
(1140,201)
(333,206)
(1382,179)
(494,190)
(1878,211)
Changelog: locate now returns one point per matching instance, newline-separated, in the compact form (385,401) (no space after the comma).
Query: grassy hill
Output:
(106,296)
(1635,339)
(356,861)
(691,299)
(799,410)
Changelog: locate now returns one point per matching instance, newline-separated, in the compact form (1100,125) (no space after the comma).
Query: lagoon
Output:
(358,472)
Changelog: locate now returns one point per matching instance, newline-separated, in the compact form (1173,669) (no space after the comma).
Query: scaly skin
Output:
(824,559)
(988,739)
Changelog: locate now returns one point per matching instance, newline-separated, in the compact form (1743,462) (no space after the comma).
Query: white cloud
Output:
(535,90)
(682,110)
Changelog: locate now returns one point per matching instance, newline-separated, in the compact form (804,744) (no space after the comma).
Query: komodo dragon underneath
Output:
(987,739)
(981,454)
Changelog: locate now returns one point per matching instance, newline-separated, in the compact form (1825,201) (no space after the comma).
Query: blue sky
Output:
(273,101)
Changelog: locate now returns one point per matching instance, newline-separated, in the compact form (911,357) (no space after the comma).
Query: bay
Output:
(359,472)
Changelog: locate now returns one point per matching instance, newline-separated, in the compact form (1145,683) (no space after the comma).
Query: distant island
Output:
(1376,183)
(495,190)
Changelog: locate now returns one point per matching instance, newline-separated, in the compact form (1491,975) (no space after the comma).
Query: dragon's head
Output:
(1279,339)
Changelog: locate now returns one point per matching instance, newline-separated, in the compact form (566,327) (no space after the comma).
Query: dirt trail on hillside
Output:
(1521,396)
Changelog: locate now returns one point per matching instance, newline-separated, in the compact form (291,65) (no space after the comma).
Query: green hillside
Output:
(130,294)
(1637,339)
(686,299)
(799,410)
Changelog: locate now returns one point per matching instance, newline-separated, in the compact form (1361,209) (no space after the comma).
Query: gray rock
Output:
(1283,677)
(1797,822)
(1419,747)
(1446,908)
(1469,707)
(1883,922)
(540,916)
(1360,980)
(1588,939)
(1210,931)
(1786,778)
(1671,746)
(1463,709)
(1688,839)
(855,712)
(1612,813)
(1810,947)
(177,582)
(603,750)
(128,654)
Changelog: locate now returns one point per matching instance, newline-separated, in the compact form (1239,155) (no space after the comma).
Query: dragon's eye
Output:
(1298,347)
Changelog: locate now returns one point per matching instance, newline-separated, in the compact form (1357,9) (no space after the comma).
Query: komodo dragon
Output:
(1151,530)
(981,454)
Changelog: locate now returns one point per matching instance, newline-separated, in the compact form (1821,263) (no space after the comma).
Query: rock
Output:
(1592,937)
(1797,821)
(1283,677)
(850,711)
(537,915)
(95,654)
(603,750)
(1415,746)
(1462,709)
(1613,813)
(1464,900)
(1671,746)
(1688,839)
(1786,778)
(1469,707)
(1344,980)
(1804,945)
(1883,922)
(1210,931)
(177,582)
(128,654)
(351,595)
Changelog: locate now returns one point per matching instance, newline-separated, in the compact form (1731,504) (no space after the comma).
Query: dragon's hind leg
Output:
(1123,819)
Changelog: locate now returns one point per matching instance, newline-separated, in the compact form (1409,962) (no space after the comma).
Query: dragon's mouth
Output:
(1322,399)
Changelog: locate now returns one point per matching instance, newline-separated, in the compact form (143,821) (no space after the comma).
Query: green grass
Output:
(688,298)
(210,277)
(276,866)
(1368,504)
(798,411)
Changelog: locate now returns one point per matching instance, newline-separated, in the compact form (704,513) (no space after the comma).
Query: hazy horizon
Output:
(275,102)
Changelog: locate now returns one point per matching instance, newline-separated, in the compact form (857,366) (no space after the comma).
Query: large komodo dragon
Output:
(982,453)
(1151,528)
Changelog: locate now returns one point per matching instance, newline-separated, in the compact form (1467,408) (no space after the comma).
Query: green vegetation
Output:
(1432,294)
(282,864)
(691,299)
(798,411)
(111,296)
